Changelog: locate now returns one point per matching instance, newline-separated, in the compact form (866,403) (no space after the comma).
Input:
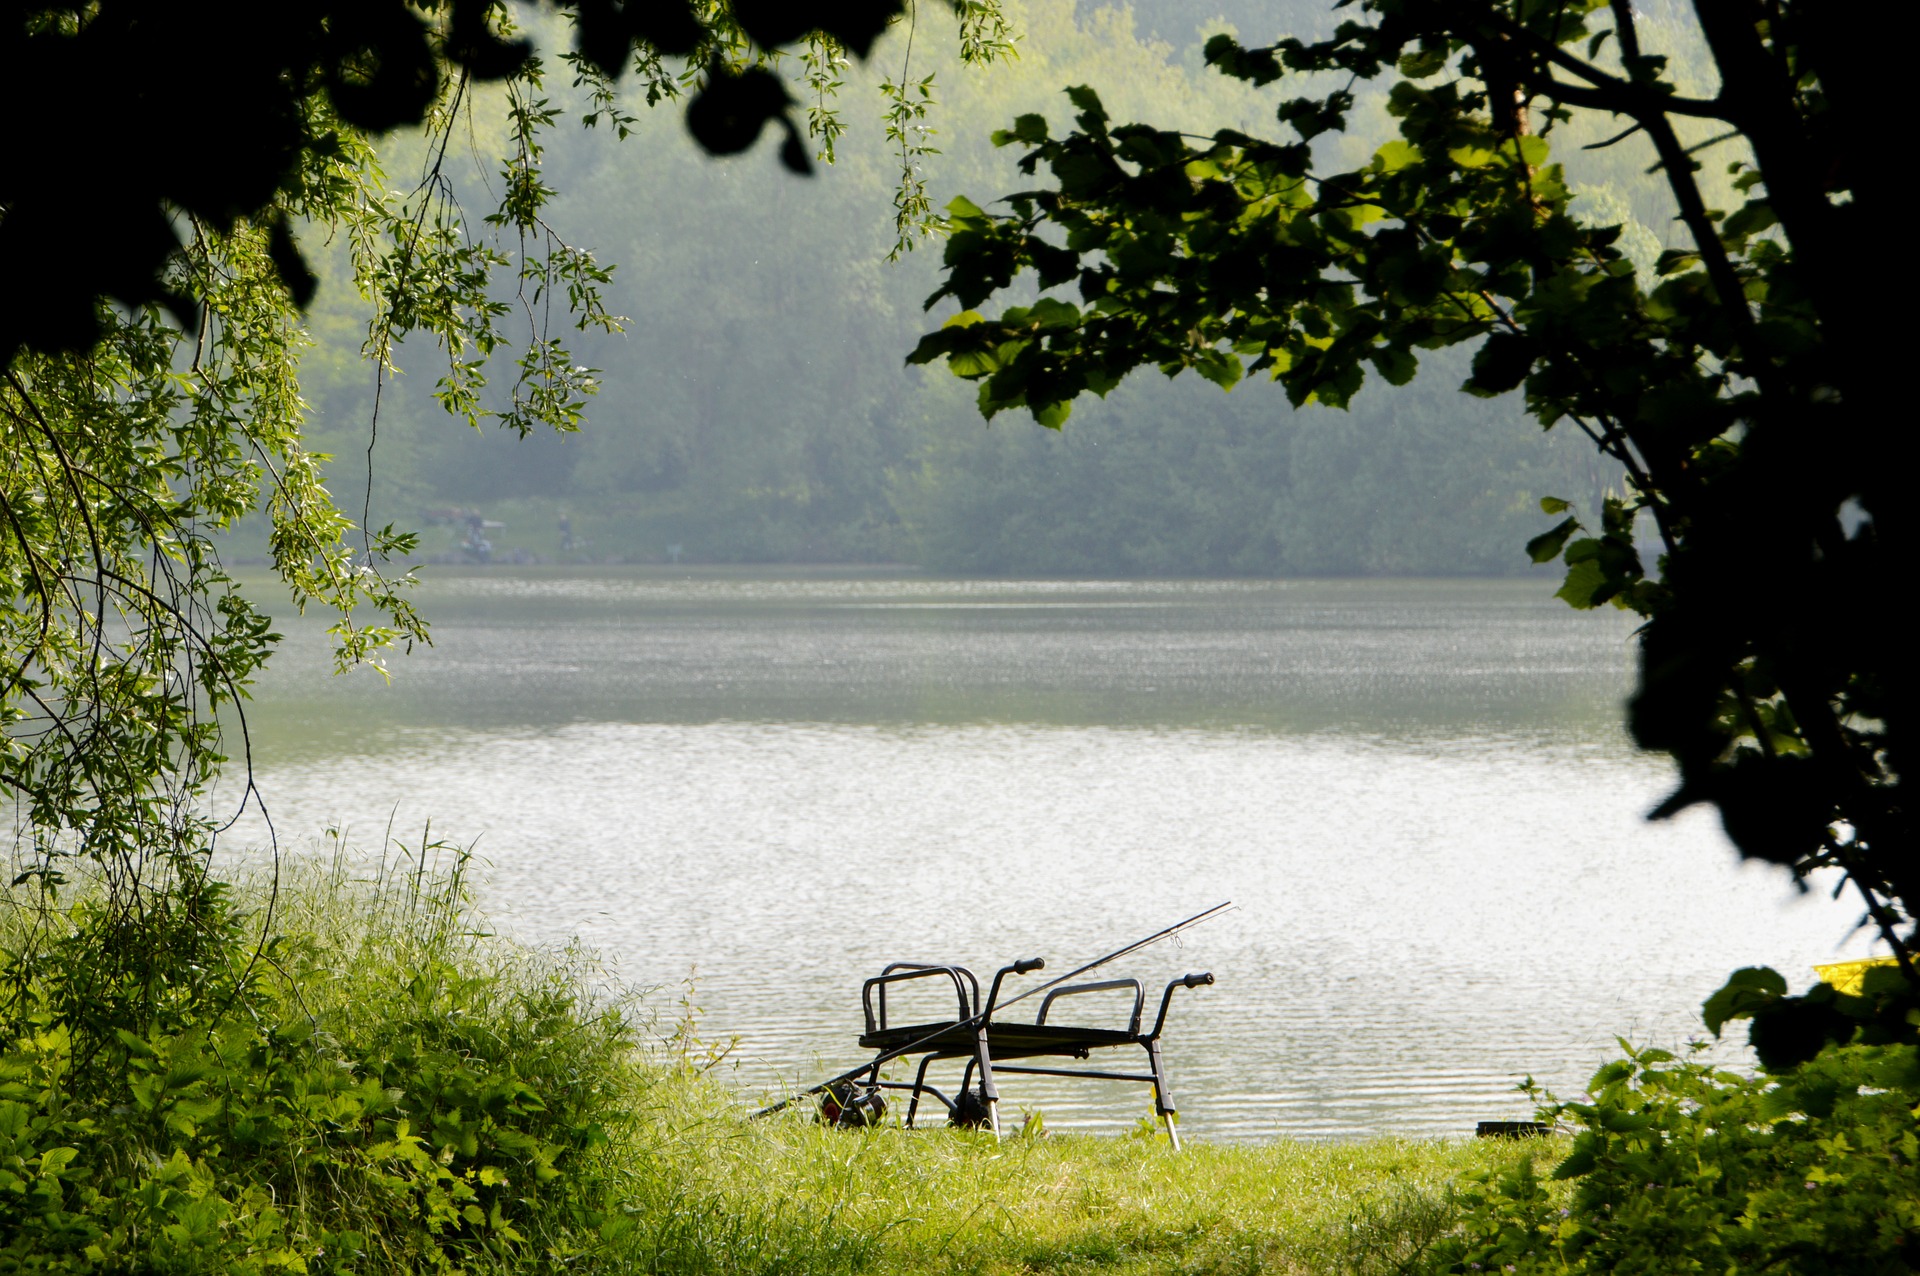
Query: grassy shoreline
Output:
(790,1196)
(349,1073)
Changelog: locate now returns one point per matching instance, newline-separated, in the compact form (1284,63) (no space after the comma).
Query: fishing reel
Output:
(970,1111)
(849,1105)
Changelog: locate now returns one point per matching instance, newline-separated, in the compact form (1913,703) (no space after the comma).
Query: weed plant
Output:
(337,1073)
(1679,1166)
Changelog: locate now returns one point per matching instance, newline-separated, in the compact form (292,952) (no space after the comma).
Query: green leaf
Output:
(1584,580)
(1747,990)
(1053,415)
(1423,62)
(1546,547)
(53,1160)
(1554,505)
(1395,365)
(1087,100)
(1028,129)
(1501,364)
(1221,369)
(1395,155)
(1579,1161)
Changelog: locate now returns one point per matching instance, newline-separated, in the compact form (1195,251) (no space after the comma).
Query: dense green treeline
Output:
(756,407)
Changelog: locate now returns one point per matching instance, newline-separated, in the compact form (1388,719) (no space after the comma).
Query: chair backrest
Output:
(901,971)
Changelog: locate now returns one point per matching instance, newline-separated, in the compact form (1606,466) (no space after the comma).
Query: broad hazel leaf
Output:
(667,25)
(1554,505)
(1500,365)
(405,77)
(1546,547)
(1394,364)
(727,115)
(290,265)
(961,210)
(1051,312)
(1394,156)
(1428,60)
(1746,990)
(856,24)
(1053,415)
(1584,580)
(1791,1031)
(772,23)
(1221,369)
(601,36)
(1090,105)
(1028,130)
(793,153)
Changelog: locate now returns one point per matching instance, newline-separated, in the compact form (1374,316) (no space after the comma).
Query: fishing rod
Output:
(887,1056)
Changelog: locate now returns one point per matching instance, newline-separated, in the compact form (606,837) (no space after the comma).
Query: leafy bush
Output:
(1678,1166)
(363,1085)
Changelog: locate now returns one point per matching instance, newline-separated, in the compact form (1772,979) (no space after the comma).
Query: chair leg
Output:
(919,1084)
(988,1091)
(1163,1096)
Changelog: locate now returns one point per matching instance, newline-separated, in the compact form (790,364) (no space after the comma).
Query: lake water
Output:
(1417,793)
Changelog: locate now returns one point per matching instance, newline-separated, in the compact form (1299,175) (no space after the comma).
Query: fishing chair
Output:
(987,1045)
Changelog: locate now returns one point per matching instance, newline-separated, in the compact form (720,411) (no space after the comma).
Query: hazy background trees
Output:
(757,409)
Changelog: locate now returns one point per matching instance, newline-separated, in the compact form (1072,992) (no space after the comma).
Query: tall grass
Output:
(366,1079)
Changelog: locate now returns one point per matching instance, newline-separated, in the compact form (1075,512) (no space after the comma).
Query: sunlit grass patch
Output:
(886,1199)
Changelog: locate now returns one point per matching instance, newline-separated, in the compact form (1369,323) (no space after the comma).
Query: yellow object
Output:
(1846,976)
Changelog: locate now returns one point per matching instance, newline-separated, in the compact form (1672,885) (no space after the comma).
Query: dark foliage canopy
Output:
(1748,391)
(100,100)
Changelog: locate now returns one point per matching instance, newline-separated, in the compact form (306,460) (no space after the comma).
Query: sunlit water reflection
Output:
(1417,793)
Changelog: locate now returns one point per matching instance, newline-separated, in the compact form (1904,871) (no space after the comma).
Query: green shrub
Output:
(1681,1167)
(347,1079)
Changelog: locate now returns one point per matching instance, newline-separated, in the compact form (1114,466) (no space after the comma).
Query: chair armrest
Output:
(1185,981)
(1074,990)
(1024,967)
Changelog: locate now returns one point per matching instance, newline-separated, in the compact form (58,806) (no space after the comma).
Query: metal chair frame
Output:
(974,1036)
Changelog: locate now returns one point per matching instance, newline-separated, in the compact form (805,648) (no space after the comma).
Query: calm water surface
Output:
(1417,793)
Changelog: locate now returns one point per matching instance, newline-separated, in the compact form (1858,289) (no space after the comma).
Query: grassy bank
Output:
(341,1070)
(793,1197)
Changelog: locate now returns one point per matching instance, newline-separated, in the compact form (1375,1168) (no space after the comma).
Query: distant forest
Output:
(757,409)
